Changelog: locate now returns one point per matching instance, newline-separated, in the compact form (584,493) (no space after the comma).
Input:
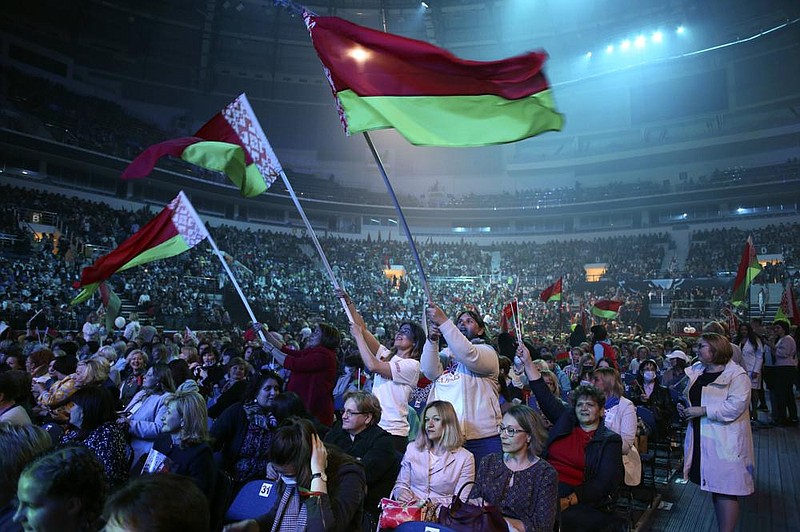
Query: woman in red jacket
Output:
(313,369)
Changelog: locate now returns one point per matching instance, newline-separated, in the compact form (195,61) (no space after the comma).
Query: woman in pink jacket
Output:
(718,450)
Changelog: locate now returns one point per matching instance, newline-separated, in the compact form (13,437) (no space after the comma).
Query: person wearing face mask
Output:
(467,377)
(184,437)
(243,432)
(646,390)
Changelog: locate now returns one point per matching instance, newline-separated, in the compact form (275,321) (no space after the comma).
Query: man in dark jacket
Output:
(359,435)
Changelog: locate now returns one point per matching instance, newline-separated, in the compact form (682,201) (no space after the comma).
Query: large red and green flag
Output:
(787,310)
(749,268)
(427,94)
(232,142)
(606,308)
(111,303)
(552,292)
(176,229)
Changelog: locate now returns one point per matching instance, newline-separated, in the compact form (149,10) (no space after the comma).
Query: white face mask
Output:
(649,376)
(586,383)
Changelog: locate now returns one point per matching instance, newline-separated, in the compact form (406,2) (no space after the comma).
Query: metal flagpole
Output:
(235,284)
(400,215)
(313,236)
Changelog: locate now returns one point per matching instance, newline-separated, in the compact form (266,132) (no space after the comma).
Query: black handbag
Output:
(464,517)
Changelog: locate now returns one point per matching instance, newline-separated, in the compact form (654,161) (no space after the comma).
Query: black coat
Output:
(374,449)
(659,403)
(194,461)
(603,472)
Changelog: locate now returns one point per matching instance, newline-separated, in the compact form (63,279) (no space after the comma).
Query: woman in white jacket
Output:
(144,413)
(620,417)
(718,450)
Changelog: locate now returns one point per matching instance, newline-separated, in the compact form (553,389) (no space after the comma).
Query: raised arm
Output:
(371,362)
(551,406)
(372,343)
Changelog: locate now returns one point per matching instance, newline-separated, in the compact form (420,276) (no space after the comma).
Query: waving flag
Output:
(606,308)
(749,268)
(427,94)
(509,317)
(552,292)
(232,142)
(176,229)
(787,310)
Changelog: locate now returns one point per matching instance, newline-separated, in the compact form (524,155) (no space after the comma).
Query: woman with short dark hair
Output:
(313,369)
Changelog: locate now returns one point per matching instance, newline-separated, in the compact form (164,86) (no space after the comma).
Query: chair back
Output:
(256,498)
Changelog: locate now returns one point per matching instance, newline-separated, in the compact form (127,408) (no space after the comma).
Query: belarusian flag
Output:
(787,310)
(232,142)
(176,229)
(427,94)
(749,268)
(510,316)
(112,305)
(552,292)
(606,308)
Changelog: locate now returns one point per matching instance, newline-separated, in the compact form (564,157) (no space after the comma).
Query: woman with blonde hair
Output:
(184,437)
(436,465)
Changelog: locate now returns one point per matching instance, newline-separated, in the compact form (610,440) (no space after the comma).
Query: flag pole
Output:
(235,284)
(313,236)
(400,215)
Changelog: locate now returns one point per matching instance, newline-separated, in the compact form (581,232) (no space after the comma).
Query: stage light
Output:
(625,45)
(423,4)
(588,55)
(610,49)
(657,37)
(640,41)
(681,30)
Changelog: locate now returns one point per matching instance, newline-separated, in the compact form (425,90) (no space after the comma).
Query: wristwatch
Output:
(322,476)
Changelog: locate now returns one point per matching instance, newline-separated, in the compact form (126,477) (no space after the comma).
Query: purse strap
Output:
(458,495)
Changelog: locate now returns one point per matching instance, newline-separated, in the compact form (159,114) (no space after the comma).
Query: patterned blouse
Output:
(530,495)
(109,442)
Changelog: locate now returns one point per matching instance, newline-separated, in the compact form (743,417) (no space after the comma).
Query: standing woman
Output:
(313,369)
(718,450)
(184,437)
(752,359)
(523,486)
(142,417)
(784,360)
(396,371)
(436,465)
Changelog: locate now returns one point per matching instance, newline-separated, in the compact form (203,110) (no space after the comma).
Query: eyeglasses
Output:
(348,413)
(511,431)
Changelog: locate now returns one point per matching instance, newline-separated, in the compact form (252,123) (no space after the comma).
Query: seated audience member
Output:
(360,436)
(620,417)
(10,411)
(19,445)
(62,491)
(180,371)
(158,503)
(243,433)
(234,389)
(210,373)
(523,486)
(436,465)
(646,391)
(313,369)
(142,417)
(674,376)
(38,363)
(92,423)
(586,454)
(337,485)
(184,437)
(133,376)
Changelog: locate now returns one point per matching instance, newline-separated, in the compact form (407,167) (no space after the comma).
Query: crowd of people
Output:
(543,430)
